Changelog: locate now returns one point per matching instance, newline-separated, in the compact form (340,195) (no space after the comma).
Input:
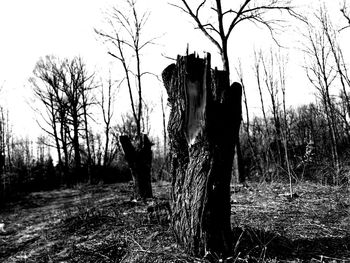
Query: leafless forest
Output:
(218,183)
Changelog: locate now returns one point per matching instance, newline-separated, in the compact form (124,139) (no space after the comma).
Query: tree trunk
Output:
(106,156)
(240,163)
(63,134)
(203,130)
(76,147)
(139,159)
(2,142)
(86,130)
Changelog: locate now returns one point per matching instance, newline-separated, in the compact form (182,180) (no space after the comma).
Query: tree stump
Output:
(203,130)
(139,159)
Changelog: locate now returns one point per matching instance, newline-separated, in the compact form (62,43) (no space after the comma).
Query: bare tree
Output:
(126,39)
(85,87)
(219,30)
(257,68)
(269,71)
(2,137)
(42,148)
(51,96)
(270,77)
(64,89)
(107,106)
(340,64)
(9,137)
(321,73)
(282,61)
(240,74)
(164,126)
(2,140)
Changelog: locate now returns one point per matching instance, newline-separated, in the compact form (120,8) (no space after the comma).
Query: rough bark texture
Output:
(139,159)
(203,130)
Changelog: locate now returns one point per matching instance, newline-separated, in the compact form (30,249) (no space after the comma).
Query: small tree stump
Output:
(139,159)
(203,130)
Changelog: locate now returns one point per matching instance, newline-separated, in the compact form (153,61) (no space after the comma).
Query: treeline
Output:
(81,136)
(81,141)
(312,141)
(75,110)
(306,137)
(27,165)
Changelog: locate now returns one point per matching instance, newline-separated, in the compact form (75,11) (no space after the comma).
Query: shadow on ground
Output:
(261,245)
(103,224)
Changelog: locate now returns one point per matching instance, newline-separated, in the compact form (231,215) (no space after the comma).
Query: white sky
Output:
(65,28)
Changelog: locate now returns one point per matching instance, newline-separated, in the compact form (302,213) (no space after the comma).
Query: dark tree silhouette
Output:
(64,87)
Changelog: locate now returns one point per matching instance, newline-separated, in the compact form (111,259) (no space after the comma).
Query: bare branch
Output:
(234,21)
(113,39)
(167,57)
(248,11)
(210,26)
(129,35)
(346,15)
(189,11)
(199,7)
(148,42)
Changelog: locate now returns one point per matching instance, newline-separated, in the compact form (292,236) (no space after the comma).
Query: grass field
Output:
(101,224)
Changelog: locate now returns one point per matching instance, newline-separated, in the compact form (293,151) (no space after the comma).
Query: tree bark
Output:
(76,145)
(2,142)
(240,163)
(139,159)
(203,130)
(86,130)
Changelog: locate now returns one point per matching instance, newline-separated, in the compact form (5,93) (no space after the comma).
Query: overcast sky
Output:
(32,29)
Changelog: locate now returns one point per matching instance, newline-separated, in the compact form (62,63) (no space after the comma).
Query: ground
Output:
(102,224)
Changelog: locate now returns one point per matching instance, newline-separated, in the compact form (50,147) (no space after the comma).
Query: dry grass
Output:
(87,224)
(313,225)
(101,224)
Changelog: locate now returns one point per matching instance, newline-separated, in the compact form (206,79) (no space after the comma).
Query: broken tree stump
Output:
(203,130)
(139,159)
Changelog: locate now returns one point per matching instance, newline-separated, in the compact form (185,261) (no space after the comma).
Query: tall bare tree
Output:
(271,84)
(2,137)
(240,74)
(49,93)
(127,42)
(2,140)
(218,30)
(107,106)
(63,86)
(164,126)
(322,73)
(340,64)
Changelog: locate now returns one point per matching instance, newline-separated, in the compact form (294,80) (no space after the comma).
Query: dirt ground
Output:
(313,225)
(101,224)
